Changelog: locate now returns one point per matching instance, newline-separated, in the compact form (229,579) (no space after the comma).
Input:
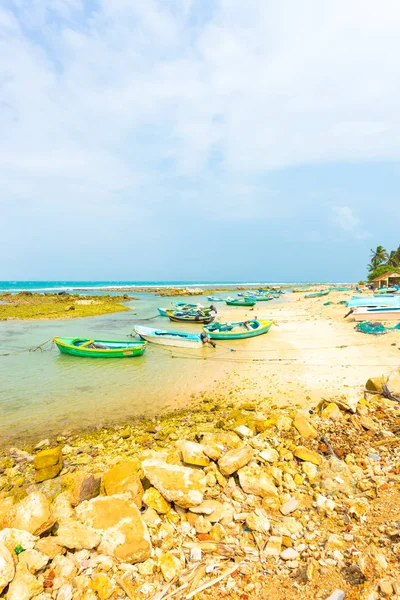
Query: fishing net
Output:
(374,328)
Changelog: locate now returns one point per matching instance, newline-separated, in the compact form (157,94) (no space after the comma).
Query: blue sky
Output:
(197,139)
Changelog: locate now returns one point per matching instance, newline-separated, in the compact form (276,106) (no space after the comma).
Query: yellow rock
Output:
(170,566)
(192,454)
(103,586)
(124,478)
(47,458)
(262,425)
(48,472)
(332,411)
(153,499)
(308,455)
(304,427)
(298,479)
(374,384)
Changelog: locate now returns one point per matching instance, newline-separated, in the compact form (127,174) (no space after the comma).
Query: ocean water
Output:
(44,393)
(69,286)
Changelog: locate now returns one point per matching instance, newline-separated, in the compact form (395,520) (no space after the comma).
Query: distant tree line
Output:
(383,261)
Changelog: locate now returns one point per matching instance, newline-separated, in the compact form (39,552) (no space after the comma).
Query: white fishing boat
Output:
(170,338)
(383,313)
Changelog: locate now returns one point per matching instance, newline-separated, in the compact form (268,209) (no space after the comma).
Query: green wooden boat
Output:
(238,331)
(317,294)
(185,317)
(240,302)
(99,348)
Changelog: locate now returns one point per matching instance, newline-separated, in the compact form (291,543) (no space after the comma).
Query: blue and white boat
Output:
(372,301)
(215,299)
(170,338)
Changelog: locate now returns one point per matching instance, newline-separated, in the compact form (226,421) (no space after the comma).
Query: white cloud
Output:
(345,218)
(128,96)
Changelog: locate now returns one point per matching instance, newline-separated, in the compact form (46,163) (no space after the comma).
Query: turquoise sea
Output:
(44,393)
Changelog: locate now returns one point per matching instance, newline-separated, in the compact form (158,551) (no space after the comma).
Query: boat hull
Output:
(385,314)
(120,349)
(265,326)
(238,303)
(169,338)
(317,294)
(204,319)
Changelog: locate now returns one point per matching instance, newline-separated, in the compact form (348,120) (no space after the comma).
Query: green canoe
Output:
(237,331)
(241,302)
(99,348)
(317,294)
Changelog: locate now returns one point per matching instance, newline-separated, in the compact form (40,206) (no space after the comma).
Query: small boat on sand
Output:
(179,339)
(371,301)
(189,308)
(317,294)
(240,302)
(99,348)
(238,331)
(215,299)
(185,317)
(386,313)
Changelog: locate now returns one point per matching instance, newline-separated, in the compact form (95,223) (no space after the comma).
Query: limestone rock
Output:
(12,538)
(289,554)
(258,521)
(213,450)
(33,560)
(7,569)
(193,454)
(76,536)
(153,499)
(331,411)
(49,547)
(65,592)
(226,439)
(182,485)
(124,478)
(372,563)
(337,595)
(81,486)
(24,585)
(244,431)
(212,508)
(170,566)
(124,534)
(103,586)
(48,464)
(62,508)
(254,480)
(304,427)
(374,384)
(311,471)
(269,455)
(202,525)
(290,506)
(234,460)
(274,546)
(31,514)
(308,455)
(64,568)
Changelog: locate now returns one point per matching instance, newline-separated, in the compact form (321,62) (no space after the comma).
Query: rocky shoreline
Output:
(62,305)
(233,499)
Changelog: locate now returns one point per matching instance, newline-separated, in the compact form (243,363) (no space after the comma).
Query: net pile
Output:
(374,328)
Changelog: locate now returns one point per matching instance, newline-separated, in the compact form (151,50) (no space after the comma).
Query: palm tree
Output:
(379,256)
(394,258)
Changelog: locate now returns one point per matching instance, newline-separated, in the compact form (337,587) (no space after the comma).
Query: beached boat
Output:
(215,299)
(182,317)
(373,302)
(189,308)
(387,313)
(170,338)
(260,298)
(240,302)
(317,294)
(99,348)
(238,331)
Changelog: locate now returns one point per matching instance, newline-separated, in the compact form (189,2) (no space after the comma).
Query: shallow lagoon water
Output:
(45,393)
